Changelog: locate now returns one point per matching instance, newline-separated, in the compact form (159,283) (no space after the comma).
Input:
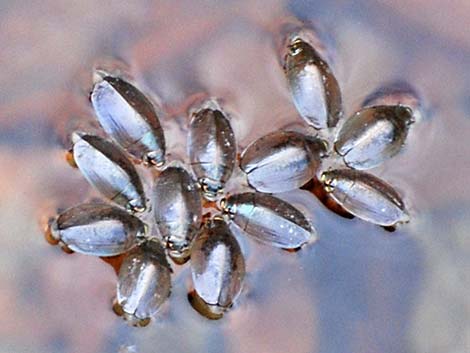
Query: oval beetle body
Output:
(129,118)
(144,283)
(217,266)
(314,88)
(212,150)
(282,161)
(97,229)
(366,196)
(107,169)
(373,135)
(178,211)
(269,220)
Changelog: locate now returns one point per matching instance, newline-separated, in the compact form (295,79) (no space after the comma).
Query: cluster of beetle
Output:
(175,225)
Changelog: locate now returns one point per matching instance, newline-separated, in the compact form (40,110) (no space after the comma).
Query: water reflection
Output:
(363,286)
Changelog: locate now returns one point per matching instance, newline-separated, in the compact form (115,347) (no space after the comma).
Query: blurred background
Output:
(359,289)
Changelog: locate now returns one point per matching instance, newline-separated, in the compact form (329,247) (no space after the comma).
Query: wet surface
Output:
(358,289)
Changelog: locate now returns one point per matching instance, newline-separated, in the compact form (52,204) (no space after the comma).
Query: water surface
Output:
(359,289)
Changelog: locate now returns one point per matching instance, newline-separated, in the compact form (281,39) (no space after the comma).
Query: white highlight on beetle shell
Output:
(217,265)
(282,161)
(107,169)
(270,220)
(178,210)
(212,149)
(144,282)
(308,32)
(314,88)
(373,135)
(97,229)
(129,118)
(365,196)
